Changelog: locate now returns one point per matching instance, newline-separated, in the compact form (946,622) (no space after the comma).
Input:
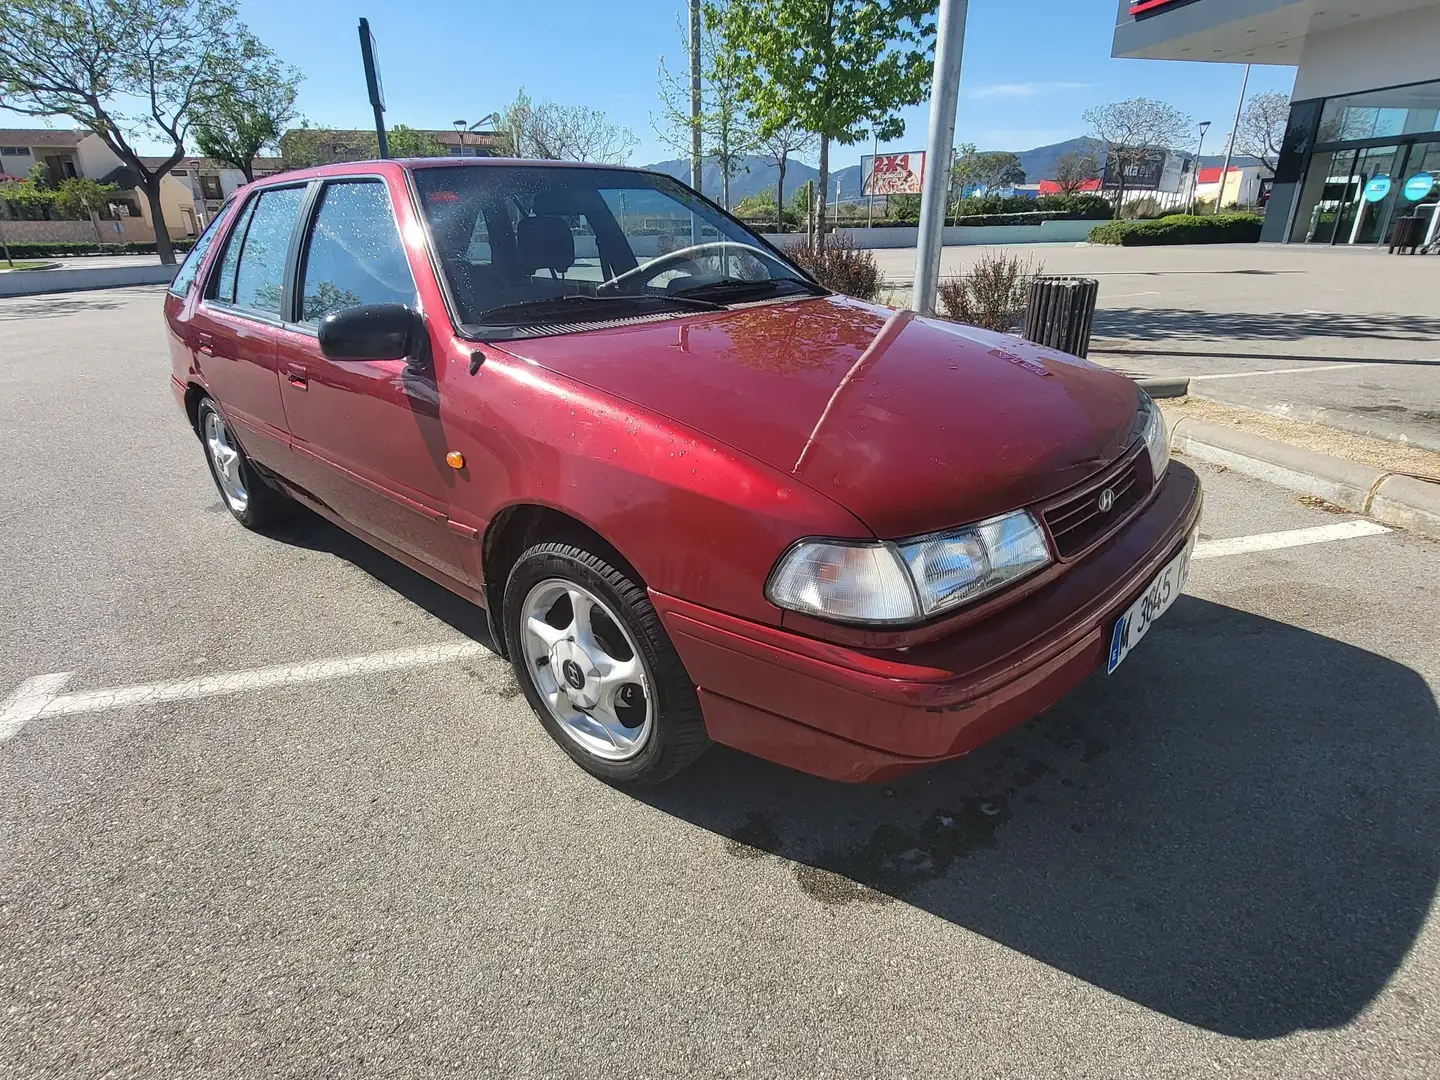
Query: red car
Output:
(700,497)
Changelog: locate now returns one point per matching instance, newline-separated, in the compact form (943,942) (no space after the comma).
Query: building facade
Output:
(1362,147)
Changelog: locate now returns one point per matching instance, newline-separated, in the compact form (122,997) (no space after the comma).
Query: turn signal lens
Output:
(1157,439)
(455,459)
(847,582)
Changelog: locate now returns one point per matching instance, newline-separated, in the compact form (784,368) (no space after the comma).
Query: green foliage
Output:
(840,266)
(37,249)
(1181,229)
(993,294)
(905,208)
(242,119)
(1092,207)
(406,142)
(33,196)
(988,169)
(80,196)
(132,72)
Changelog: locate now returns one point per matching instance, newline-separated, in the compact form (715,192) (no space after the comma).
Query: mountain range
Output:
(758,174)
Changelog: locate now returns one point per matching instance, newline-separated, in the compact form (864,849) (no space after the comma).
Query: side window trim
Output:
(310,215)
(235,310)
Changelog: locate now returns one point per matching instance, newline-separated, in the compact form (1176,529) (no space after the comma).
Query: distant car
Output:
(700,497)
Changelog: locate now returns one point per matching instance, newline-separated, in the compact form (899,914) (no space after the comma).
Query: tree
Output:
(84,196)
(96,60)
(1131,130)
(241,120)
(404,142)
(786,139)
(727,131)
(834,67)
(34,195)
(1076,169)
(987,169)
(566,133)
(1262,127)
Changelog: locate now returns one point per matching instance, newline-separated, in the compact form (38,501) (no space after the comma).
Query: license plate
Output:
(1162,591)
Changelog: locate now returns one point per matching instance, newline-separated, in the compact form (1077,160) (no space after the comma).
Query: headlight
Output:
(899,583)
(1157,439)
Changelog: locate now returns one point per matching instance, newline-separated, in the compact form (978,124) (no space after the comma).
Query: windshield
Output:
(520,244)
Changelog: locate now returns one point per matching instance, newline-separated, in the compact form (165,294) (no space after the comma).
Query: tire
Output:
(668,735)
(249,497)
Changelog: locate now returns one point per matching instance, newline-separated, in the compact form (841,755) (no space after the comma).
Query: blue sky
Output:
(1031,67)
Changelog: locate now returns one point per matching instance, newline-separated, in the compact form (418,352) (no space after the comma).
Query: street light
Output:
(460,130)
(493,118)
(1195,180)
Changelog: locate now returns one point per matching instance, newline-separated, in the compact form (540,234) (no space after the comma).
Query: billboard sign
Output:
(892,174)
(1144,170)
(1141,7)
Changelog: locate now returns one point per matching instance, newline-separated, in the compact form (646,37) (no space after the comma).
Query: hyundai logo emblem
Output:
(573,675)
(1107,500)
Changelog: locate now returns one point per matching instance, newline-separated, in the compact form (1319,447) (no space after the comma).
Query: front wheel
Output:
(598,668)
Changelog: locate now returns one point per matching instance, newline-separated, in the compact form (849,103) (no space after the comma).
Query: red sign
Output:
(1139,7)
(892,174)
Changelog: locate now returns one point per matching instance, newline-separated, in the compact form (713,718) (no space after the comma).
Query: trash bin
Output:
(1409,233)
(1061,313)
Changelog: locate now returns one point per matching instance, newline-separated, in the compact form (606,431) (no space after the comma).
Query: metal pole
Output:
(1230,150)
(945,89)
(5,246)
(696,173)
(870,202)
(1199,157)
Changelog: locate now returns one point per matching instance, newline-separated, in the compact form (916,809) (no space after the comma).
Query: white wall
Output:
(1382,52)
(95,157)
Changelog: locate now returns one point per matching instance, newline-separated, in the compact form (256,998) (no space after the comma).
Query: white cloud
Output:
(1024,90)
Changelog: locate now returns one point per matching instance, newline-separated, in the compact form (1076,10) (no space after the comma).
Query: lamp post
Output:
(460,130)
(945,89)
(1195,180)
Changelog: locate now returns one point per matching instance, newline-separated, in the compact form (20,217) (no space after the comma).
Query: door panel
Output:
(236,359)
(368,436)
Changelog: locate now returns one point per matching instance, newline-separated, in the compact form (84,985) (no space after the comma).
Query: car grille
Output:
(1077,523)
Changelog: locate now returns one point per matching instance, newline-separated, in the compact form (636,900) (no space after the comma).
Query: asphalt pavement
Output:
(1290,329)
(1220,861)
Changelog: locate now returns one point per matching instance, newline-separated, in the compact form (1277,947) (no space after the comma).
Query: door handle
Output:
(297,376)
(205,343)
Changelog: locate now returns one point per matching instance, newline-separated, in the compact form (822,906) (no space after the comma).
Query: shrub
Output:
(1083,206)
(40,249)
(840,266)
(993,294)
(905,208)
(1180,229)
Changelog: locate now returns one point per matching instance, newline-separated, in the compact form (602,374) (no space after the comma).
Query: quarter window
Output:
(355,255)
(185,276)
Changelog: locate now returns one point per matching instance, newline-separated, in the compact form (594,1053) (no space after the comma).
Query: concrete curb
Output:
(36,282)
(1165,387)
(1339,419)
(1393,498)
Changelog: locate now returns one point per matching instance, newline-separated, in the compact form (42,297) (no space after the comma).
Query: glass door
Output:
(1372,196)
(1329,184)
(1419,187)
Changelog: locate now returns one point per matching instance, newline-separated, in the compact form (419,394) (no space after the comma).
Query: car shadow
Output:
(306,529)
(1237,829)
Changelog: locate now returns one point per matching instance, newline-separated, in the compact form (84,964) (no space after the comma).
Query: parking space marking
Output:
(30,701)
(1279,371)
(38,697)
(41,697)
(1321,534)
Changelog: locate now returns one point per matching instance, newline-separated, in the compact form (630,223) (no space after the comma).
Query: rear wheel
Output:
(598,668)
(250,499)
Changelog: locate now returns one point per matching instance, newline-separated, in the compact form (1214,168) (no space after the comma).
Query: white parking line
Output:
(40,697)
(1321,534)
(1279,371)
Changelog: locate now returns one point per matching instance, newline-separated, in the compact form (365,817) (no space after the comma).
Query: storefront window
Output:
(1382,114)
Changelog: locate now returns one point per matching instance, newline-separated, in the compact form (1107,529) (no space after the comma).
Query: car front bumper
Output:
(866,716)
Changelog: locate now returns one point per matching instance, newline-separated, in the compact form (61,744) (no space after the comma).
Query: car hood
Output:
(912,424)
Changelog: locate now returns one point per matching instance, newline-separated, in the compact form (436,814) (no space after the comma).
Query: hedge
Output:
(1034,217)
(39,249)
(1180,229)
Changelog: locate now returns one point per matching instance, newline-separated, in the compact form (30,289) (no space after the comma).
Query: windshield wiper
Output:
(581,306)
(732,288)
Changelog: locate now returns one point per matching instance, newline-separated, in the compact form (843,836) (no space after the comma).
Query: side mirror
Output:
(371,332)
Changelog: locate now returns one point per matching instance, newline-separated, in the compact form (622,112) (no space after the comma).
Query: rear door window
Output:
(252,269)
(355,255)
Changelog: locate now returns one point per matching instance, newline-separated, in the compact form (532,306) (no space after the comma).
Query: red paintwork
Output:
(701,448)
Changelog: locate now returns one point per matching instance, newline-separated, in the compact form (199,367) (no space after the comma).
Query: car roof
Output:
(374,165)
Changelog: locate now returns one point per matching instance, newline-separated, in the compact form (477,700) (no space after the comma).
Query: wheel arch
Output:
(520,526)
